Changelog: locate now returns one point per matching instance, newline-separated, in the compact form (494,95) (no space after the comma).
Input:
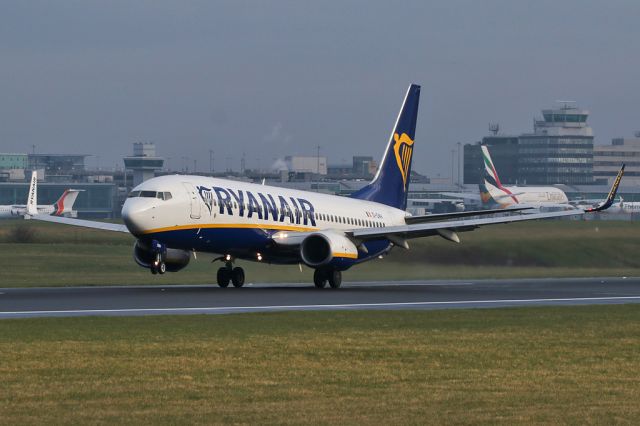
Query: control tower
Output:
(567,120)
(144,162)
(560,150)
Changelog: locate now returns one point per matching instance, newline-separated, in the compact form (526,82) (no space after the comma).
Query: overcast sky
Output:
(276,78)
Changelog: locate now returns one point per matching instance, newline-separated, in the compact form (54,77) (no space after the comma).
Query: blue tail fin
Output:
(391,182)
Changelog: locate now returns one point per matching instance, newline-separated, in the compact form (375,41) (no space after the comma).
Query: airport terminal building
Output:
(559,151)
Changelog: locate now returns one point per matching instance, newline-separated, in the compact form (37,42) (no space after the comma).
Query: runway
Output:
(171,300)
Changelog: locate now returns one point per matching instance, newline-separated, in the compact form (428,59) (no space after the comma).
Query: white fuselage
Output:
(624,208)
(531,196)
(541,195)
(201,202)
(17,210)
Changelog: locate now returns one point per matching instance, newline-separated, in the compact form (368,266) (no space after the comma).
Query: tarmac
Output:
(210,299)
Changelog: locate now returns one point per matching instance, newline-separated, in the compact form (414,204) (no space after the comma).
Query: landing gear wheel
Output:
(223,276)
(319,278)
(335,279)
(162,268)
(153,269)
(237,277)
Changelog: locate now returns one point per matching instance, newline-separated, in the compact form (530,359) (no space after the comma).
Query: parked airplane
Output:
(62,207)
(175,216)
(629,207)
(493,194)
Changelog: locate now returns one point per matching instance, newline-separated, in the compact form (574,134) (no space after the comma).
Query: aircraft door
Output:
(196,205)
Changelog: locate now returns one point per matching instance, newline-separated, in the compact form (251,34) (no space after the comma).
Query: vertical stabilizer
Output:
(492,192)
(32,198)
(64,205)
(391,182)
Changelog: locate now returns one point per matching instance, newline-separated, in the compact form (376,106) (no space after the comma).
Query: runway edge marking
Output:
(320,306)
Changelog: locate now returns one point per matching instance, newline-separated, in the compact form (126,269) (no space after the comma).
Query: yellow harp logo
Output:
(403,148)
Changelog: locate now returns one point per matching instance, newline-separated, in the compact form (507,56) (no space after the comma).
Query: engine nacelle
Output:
(175,259)
(327,247)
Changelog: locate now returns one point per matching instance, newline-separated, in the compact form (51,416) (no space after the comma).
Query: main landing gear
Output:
(322,276)
(228,273)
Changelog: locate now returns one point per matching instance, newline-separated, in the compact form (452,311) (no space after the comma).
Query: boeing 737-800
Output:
(177,215)
(62,207)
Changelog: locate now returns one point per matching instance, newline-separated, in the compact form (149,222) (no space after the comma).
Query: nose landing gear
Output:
(158,266)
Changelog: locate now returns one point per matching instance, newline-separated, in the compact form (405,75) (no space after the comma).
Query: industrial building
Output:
(299,164)
(607,160)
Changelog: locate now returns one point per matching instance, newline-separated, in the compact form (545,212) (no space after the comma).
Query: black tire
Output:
(223,277)
(335,279)
(162,268)
(319,278)
(237,277)
(153,269)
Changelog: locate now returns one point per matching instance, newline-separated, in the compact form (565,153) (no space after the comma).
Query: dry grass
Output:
(534,365)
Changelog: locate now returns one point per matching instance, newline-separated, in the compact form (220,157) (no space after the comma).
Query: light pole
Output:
(453,153)
(459,170)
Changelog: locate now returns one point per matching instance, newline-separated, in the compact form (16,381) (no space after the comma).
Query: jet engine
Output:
(325,248)
(175,259)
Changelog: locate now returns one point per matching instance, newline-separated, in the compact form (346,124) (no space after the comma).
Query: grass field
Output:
(62,255)
(571,365)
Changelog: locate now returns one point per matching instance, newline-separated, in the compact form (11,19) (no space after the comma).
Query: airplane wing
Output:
(399,234)
(448,228)
(105,226)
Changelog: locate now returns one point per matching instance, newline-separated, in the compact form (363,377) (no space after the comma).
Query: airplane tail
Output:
(65,202)
(492,192)
(32,198)
(391,182)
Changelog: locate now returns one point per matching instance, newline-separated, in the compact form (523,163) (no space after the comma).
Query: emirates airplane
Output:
(174,217)
(495,195)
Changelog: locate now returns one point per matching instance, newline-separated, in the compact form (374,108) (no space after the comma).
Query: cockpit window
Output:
(164,195)
(150,194)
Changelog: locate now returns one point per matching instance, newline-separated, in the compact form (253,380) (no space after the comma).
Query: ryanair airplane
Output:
(173,217)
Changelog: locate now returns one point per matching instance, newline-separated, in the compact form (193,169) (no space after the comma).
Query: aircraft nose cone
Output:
(135,214)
